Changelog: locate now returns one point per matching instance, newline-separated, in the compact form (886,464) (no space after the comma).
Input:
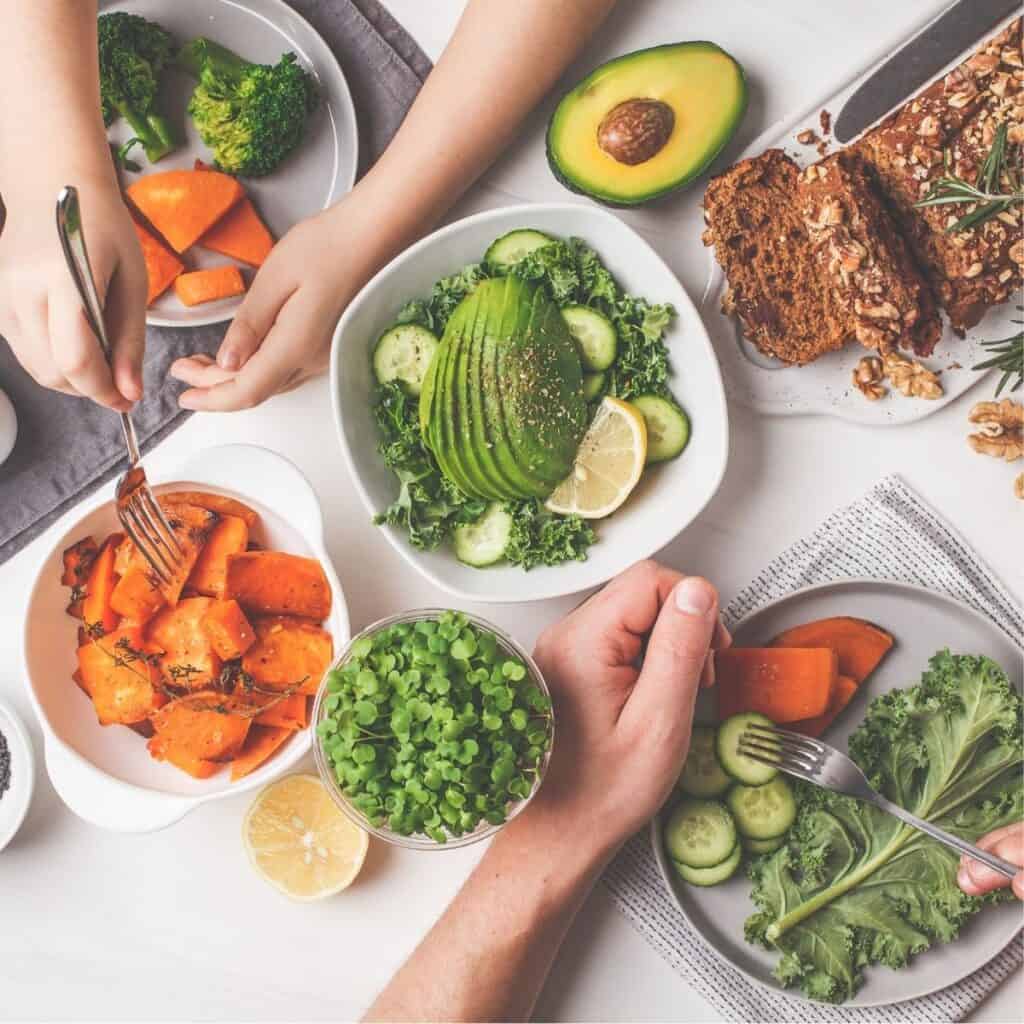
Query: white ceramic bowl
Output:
(105,774)
(667,499)
(14,801)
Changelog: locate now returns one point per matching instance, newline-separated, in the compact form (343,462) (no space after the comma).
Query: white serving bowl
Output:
(666,500)
(14,802)
(105,774)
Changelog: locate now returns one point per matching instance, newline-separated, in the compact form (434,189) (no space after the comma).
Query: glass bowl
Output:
(418,841)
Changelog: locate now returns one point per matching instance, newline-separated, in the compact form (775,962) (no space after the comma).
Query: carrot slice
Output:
(842,693)
(201,286)
(276,583)
(184,205)
(162,265)
(261,742)
(97,613)
(240,235)
(787,684)
(859,645)
(228,537)
(229,631)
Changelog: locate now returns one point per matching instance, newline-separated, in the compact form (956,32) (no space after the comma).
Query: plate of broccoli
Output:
(244,87)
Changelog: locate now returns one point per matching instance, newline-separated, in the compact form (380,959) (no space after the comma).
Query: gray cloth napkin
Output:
(888,534)
(68,447)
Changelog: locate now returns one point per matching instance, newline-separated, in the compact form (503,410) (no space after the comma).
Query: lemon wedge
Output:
(299,840)
(608,464)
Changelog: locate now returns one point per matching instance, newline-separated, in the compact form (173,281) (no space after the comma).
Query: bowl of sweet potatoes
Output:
(155,697)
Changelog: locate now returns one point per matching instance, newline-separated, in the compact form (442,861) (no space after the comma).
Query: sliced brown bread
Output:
(776,288)
(969,271)
(860,251)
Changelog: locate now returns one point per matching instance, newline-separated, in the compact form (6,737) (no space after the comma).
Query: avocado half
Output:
(646,123)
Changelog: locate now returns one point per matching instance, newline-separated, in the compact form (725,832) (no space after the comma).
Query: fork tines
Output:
(779,747)
(147,526)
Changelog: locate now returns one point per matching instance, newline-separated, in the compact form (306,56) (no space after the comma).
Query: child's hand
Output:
(622,731)
(975,878)
(41,313)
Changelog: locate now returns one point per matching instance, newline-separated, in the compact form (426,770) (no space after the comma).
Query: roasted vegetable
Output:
(261,742)
(201,286)
(119,672)
(290,654)
(229,537)
(275,583)
(229,631)
(787,684)
(189,661)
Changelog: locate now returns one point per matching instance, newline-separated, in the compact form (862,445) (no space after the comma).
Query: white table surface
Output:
(101,926)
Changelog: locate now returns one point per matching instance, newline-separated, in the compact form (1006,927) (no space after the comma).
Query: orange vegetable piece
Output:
(787,684)
(283,712)
(860,645)
(230,633)
(77,561)
(240,235)
(137,595)
(116,671)
(199,286)
(162,750)
(218,503)
(184,205)
(842,693)
(123,556)
(261,742)
(276,583)
(162,265)
(97,612)
(188,657)
(228,537)
(204,726)
(79,680)
(290,654)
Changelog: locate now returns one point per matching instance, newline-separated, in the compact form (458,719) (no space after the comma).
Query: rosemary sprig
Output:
(985,193)
(1008,356)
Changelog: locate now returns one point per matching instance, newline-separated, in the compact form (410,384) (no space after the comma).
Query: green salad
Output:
(490,390)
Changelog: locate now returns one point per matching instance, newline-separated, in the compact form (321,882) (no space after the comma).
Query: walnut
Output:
(830,214)
(929,127)
(1017,251)
(911,378)
(883,311)
(983,64)
(1000,429)
(1018,486)
(728,304)
(974,269)
(849,252)
(807,137)
(868,336)
(1012,58)
(867,377)
(707,237)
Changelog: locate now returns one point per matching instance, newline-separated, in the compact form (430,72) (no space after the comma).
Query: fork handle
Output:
(1004,867)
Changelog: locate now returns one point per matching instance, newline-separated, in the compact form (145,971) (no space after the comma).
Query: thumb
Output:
(976,878)
(679,643)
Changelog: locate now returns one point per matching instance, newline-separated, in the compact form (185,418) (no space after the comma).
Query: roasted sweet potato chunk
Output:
(282,712)
(785,683)
(228,537)
(97,613)
(289,654)
(119,673)
(859,645)
(219,503)
(229,631)
(205,726)
(275,583)
(188,658)
(261,742)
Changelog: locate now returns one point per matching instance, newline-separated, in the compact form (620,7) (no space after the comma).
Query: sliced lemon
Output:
(300,842)
(608,464)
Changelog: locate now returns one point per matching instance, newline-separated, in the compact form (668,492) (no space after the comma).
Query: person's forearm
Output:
(501,60)
(50,121)
(487,957)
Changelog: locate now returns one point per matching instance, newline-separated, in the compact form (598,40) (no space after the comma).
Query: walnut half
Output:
(911,378)
(1000,430)
(867,378)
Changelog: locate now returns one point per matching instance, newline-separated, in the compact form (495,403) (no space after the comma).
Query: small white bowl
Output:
(666,500)
(105,774)
(15,800)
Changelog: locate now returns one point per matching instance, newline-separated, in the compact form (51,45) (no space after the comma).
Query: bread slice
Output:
(862,255)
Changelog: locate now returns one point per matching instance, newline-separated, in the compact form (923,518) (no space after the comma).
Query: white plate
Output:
(105,774)
(922,622)
(667,499)
(824,387)
(321,170)
(14,802)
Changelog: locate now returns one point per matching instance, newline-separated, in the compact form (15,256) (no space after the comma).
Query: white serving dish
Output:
(317,174)
(824,387)
(15,801)
(666,500)
(105,774)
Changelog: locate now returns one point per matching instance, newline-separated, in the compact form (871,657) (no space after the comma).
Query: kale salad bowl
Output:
(503,386)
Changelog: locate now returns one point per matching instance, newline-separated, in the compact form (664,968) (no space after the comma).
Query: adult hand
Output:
(976,879)
(625,669)
(41,313)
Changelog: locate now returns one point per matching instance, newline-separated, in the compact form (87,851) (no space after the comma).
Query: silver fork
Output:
(818,763)
(137,508)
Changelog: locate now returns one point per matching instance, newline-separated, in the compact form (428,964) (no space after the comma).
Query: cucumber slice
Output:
(702,774)
(483,542)
(404,352)
(668,427)
(739,766)
(700,833)
(508,250)
(595,335)
(763,812)
(593,383)
(760,846)
(713,875)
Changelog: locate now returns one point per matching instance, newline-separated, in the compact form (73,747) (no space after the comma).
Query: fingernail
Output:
(228,360)
(694,596)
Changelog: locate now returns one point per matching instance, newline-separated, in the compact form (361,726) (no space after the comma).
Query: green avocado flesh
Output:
(700,88)
(502,404)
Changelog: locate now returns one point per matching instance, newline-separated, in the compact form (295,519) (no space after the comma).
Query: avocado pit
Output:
(636,130)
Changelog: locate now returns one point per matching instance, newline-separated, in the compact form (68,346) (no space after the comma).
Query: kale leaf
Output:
(853,886)
(540,537)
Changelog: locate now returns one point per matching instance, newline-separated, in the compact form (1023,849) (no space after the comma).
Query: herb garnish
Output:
(1008,357)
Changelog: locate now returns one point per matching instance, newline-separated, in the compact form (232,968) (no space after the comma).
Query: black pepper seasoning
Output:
(5,766)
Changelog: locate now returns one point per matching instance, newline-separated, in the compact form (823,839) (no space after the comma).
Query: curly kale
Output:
(251,115)
(540,537)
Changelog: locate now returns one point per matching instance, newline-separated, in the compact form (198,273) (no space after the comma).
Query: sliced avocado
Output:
(446,407)
(647,122)
(427,395)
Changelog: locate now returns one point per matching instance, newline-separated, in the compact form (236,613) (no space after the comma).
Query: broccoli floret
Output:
(251,115)
(133,54)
